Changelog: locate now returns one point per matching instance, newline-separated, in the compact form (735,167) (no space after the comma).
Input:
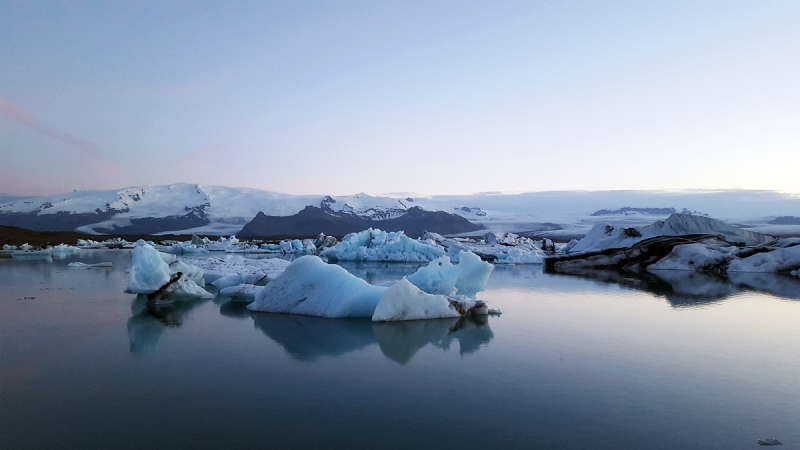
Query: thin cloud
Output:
(110,172)
(14,113)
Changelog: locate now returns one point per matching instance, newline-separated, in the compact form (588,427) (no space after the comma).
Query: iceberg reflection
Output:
(689,288)
(308,338)
(149,320)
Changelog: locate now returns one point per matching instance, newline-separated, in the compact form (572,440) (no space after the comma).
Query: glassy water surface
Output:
(598,361)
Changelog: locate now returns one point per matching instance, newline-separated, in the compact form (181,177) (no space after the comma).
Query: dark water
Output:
(574,362)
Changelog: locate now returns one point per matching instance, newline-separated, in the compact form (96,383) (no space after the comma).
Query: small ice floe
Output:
(769,441)
(9,247)
(186,248)
(89,266)
(234,270)
(494,312)
(242,293)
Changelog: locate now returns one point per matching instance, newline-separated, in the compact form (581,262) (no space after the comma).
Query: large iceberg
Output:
(605,236)
(699,253)
(377,245)
(309,286)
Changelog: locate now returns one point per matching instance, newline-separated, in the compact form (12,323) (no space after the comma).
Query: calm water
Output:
(573,362)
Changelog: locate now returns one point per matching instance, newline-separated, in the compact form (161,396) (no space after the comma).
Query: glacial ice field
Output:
(596,360)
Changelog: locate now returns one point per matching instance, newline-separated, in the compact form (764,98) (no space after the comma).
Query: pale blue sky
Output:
(425,97)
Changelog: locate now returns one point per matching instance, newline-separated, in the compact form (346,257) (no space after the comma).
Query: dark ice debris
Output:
(769,441)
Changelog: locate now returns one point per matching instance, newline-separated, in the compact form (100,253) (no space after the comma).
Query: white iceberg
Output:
(784,257)
(148,271)
(244,293)
(466,278)
(497,247)
(404,301)
(231,279)
(9,247)
(159,275)
(186,248)
(88,266)
(64,249)
(309,286)
(251,271)
(377,245)
(605,236)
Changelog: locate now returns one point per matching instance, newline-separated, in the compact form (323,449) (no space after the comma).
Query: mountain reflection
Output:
(687,289)
(149,320)
(308,338)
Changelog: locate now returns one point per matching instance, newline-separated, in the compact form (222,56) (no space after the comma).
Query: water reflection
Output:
(687,289)
(308,338)
(149,320)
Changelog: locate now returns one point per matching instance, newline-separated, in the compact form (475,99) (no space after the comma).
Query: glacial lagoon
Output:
(601,360)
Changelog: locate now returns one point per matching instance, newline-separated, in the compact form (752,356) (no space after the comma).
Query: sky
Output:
(428,97)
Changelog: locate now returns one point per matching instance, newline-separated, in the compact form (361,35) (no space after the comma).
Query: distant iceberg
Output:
(497,247)
(377,245)
(605,236)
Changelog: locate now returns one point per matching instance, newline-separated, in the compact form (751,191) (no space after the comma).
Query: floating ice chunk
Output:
(233,279)
(87,266)
(377,245)
(404,301)
(271,247)
(769,441)
(193,272)
(186,248)
(466,278)
(179,287)
(604,236)
(149,272)
(570,245)
(700,256)
(244,293)
(64,249)
(518,255)
(9,247)
(25,247)
(778,260)
(252,271)
(309,286)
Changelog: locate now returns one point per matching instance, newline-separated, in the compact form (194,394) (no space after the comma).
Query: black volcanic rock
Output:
(312,221)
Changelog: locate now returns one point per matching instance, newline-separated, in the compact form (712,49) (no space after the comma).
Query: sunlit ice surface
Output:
(573,362)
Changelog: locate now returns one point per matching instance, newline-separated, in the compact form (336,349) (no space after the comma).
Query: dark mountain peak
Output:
(312,221)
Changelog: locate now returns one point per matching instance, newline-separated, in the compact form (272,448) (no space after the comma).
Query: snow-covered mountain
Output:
(186,208)
(178,208)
